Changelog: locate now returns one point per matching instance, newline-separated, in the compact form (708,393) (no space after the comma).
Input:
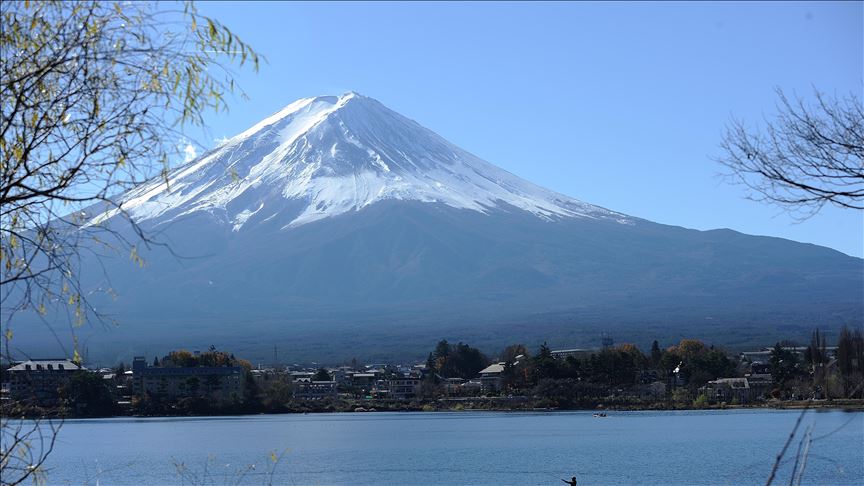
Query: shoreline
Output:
(846,405)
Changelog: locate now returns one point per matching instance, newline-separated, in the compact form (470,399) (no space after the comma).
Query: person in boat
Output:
(571,482)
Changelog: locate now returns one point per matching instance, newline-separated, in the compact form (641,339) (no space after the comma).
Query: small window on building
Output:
(27,367)
(50,367)
(60,367)
(39,367)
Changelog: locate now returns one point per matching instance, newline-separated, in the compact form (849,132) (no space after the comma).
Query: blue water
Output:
(477,448)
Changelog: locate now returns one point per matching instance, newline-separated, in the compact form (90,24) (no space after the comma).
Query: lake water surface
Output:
(477,448)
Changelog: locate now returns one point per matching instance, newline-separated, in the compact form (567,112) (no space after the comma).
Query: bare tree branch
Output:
(810,155)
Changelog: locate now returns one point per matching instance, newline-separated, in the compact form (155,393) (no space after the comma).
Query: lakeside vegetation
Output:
(689,374)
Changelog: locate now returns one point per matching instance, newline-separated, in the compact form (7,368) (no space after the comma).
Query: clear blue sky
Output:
(618,104)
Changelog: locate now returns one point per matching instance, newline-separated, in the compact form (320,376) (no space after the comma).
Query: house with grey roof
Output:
(38,381)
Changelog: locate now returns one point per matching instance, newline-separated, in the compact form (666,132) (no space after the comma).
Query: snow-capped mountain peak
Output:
(329,155)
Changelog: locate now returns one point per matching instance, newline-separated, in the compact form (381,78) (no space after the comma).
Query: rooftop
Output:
(56,364)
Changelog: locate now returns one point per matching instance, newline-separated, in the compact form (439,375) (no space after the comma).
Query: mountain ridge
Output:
(284,243)
(339,154)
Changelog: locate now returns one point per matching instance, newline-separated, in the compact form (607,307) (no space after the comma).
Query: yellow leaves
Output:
(79,315)
(234,176)
(42,310)
(76,356)
(273,456)
(135,257)
(8,334)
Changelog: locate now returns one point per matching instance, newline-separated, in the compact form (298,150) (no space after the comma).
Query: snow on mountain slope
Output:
(333,155)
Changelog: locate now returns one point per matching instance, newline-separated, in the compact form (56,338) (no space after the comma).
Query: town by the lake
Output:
(455,376)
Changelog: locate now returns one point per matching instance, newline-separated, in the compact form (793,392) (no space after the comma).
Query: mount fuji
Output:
(323,157)
(338,228)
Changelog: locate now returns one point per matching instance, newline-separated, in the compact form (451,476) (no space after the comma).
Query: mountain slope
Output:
(332,155)
(337,228)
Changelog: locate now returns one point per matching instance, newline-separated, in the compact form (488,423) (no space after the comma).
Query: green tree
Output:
(656,353)
(276,394)
(545,365)
(710,364)
(784,365)
(321,375)
(465,361)
(87,394)
(850,361)
(442,349)
(816,355)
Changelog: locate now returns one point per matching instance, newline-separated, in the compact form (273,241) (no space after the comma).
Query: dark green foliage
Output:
(709,365)
(616,366)
(545,365)
(89,395)
(321,375)
(442,349)
(850,362)
(184,359)
(276,395)
(784,365)
(459,361)
(656,354)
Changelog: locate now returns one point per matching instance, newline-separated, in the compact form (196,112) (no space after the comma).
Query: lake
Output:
(477,448)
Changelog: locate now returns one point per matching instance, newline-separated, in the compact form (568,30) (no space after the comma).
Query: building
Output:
(490,377)
(577,353)
(404,388)
(729,390)
(38,381)
(219,383)
(363,381)
(306,389)
(760,385)
(453,386)
(764,354)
